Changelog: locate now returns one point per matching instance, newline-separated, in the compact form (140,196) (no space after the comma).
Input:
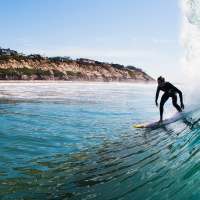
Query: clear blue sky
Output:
(144,33)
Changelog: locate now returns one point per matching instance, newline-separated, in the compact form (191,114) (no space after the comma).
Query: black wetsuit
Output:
(169,91)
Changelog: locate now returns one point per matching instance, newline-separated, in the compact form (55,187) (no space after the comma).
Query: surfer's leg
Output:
(174,102)
(164,98)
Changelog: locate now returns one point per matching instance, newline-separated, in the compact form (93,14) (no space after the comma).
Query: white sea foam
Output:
(190,37)
(60,90)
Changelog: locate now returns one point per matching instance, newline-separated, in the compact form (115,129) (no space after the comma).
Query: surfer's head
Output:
(161,80)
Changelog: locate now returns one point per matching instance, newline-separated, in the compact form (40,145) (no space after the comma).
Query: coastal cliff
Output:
(16,66)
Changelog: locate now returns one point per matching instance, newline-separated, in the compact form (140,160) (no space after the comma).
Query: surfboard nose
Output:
(138,126)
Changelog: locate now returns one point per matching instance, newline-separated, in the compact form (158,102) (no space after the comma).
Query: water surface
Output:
(62,140)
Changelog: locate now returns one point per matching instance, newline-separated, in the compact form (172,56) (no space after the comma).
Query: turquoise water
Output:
(76,141)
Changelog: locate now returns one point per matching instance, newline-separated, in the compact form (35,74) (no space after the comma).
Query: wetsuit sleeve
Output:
(178,91)
(157,94)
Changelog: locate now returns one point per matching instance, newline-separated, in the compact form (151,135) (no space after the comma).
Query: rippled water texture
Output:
(76,141)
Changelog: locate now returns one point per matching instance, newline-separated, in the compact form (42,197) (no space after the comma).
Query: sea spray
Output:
(191,41)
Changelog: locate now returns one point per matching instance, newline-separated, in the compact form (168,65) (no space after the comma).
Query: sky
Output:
(143,33)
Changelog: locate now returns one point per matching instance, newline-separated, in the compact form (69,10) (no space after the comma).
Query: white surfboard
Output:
(158,124)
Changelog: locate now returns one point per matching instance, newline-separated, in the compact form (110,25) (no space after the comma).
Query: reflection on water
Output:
(65,147)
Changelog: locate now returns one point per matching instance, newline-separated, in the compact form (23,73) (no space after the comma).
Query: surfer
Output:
(169,91)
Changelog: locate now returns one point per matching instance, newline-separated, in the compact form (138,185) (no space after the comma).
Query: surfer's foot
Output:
(180,110)
(160,121)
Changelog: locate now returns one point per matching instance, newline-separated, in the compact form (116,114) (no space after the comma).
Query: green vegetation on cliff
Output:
(16,66)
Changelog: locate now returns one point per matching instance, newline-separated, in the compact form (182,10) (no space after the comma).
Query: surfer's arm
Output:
(180,94)
(181,98)
(157,95)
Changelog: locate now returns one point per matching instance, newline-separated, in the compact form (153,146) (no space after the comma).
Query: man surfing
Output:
(169,91)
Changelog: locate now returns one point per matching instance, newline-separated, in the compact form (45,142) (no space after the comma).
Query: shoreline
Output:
(75,81)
